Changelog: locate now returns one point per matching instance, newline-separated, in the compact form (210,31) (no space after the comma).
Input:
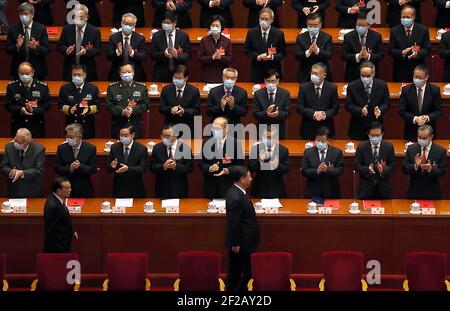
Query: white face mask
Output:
(26,78)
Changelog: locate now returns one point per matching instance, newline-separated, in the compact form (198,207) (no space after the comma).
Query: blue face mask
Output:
(321,145)
(315,79)
(271,86)
(267,142)
(361,30)
(127,29)
(25,78)
(127,77)
(79,22)
(167,142)
(407,22)
(25,19)
(217,134)
(18,146)
(376,140)
(215,30)
(77,80)
(423,142)
(167,27)
(72,142)
(179,83)
(125,140)
(264,24)
(419,82)
(313,30)
(229,84)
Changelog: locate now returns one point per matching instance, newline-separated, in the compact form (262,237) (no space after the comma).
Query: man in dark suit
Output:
(135,7)
(80,44)
(265,46)
(409,45)
(442,13)
(43,11)
(127,46)
(305,8)
(228,100)
(219,153)
(395,6)
(242,231)
(180,101)
(425,162)
(27,99)
(128,162)
(94,16)
(79,101)
(255,7)
(171,161)
(27,41)
(444,53)
(181,8)
(22,164)
(127,100)
(348,11)
(215,7)
(374,160)
(271,104)
(322,165)
(76,160)
(361,44)
(269,161)
(317,103)
(312,47)
(58,223)
(169,48)
(367,101)
(420,103)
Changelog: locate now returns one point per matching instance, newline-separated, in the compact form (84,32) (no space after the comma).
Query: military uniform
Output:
(87,96)
(119,96)
(17,95)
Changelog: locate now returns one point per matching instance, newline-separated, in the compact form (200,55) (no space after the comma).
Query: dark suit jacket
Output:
(352,46)
(345,19)
(91,42)
(137,42)
(80,179)
(128,6)
(224,10)
(36,57)
(217,186)
(211,71)
(324,185)
(424,185)
(357,99)
(32,165)
(302,44)
(269,184)
(184,19)
(444,53)
(214,109)
(161,72)
(308,105)
(255,45)
(58,226)
(299,5)
(394,10)
(171,183)
(190,104)
(409,108)
(94,16)
(242,227)
(403,68)
(253,12)
(131,183)
(42,12)
(367,181)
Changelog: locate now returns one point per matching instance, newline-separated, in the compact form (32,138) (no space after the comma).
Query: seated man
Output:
(322,165)
(269,160)
(128,161)
(374,163)
(76,160)
(425,162)
(171,161)
(22,164)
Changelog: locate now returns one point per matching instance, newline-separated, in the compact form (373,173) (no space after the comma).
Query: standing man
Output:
(255,7)
(242,231)
(58,223)
(444,53)
(348,11)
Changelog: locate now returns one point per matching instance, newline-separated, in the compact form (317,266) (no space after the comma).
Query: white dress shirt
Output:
(243,191)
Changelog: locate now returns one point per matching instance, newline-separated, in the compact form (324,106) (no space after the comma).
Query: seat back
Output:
(271,271)
(437,68)
(126,271)
(199,271)
(52,271)
(343,270)
(426,271)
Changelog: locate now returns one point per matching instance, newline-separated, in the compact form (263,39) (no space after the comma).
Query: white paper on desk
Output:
(18,202)
(170,203)
(209,86)
(271,203)
(218,202)
(124,202)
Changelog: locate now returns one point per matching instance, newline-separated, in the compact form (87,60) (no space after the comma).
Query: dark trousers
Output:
(239,270)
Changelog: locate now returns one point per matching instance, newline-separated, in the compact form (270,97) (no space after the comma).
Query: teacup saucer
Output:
(212,211)
(354,212)
(106,211)
(312,212)
(149,211)
(415,212)
(7,211)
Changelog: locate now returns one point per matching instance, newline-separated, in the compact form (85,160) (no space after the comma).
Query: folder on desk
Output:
(426,203)
(52,30)
(334,204)
(368,204)
(75,202)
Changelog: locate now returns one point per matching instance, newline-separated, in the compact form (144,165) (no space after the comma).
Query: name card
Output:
(19,209)
(118,210)
(124,202)
(429,211)
(377,210)
(325,210)
(172,209)
(74,209)
(222,210)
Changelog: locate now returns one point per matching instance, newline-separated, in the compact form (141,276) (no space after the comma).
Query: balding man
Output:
(27,99)
(22,165)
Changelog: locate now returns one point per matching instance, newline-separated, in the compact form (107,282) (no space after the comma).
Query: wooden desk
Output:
(381,237)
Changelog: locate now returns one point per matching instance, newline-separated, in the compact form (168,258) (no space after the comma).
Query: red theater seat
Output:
(343,271)
(271,271)
(426,271)
(51,272)
(126,272)
(199,271)
(2,272)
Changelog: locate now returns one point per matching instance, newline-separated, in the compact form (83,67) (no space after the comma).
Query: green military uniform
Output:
(119,96)
(18,95)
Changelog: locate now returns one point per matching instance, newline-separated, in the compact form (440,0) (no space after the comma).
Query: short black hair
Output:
(167,126)
(323,131)
(362,15)
(423,68)
(218,18)
(126,64)
(375,125)
(238,171)
(129,127)
(79,67)
(313,16)
(173,17)
(272,72)
(182,69)
(57,183)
